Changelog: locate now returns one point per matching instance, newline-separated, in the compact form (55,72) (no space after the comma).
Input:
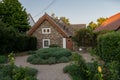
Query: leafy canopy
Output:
(93,25)
(14,15)
(83,37)
(64,19)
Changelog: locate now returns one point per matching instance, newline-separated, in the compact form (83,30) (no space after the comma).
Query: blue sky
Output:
(78,11)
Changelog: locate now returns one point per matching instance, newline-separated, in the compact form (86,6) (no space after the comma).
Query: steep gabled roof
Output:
(112,23)
(51,21)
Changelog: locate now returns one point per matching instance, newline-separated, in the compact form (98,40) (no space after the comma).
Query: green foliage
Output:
(51,60)
(83,37)
(109,46)
(77,70)
(10,40)
(18,73)
(54,45)
(12,72)
(92,71)
(93,25)
(64,19)
(14,15)
(63,59)
(73,70)
(48,55)
(11,58)
(112,71)
(3,59)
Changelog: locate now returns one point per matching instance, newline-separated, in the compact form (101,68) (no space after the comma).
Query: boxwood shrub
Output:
(109,46)
(50,56)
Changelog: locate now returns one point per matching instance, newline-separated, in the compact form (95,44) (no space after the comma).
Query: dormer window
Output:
(46,30)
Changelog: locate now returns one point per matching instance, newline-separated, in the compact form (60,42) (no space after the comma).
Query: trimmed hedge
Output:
(109,46)
(11,40)
(25,43)
(18,43)
(50,56)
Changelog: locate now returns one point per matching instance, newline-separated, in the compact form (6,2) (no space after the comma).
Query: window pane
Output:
(44,30)
(46,44)
(48,30)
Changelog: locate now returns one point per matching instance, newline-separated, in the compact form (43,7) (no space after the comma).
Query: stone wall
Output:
(55,37)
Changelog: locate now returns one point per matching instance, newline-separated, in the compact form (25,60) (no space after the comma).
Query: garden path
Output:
(87,56)
(45,72)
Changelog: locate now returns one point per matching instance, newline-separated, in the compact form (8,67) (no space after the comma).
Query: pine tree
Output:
(14,15)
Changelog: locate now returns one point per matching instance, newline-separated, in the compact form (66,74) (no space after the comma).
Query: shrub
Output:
(109,46)
(78,70)
(3,59)
(51,60)
(10,40)
(54,45)
(111,71)
(24,43)
(48,55)
(63,59)
(18,73)
(73,70)
(83,37)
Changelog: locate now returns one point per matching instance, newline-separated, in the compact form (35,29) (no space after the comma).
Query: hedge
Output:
(109,46)
(11,40)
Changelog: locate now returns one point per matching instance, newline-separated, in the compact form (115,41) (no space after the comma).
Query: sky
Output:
(77,11)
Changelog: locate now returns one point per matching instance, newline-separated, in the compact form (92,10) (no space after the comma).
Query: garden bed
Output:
(50,56)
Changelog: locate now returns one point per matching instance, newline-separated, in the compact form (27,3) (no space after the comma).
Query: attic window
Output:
(46,30)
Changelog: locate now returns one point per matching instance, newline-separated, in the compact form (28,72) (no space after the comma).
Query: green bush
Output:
(63,59)
(51,60)
(78,70)
(45,55)
(111,71)
(10,40)
(3,59)
(25,43)
(10,72)
(109,46)
(54,45)
(73,70)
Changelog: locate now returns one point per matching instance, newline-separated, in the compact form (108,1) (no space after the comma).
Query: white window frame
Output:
(46,30)
(44,43)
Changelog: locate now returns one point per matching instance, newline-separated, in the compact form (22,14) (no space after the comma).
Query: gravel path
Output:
(88,57)
(45,72)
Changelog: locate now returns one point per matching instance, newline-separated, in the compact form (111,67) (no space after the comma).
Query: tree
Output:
(14,15)
(93,25)
(64,19)
(83,37)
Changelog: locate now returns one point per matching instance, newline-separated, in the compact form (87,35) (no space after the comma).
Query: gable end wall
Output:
(55,37)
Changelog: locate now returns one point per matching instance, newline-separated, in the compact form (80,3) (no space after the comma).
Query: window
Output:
(46,43)
(46,30)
